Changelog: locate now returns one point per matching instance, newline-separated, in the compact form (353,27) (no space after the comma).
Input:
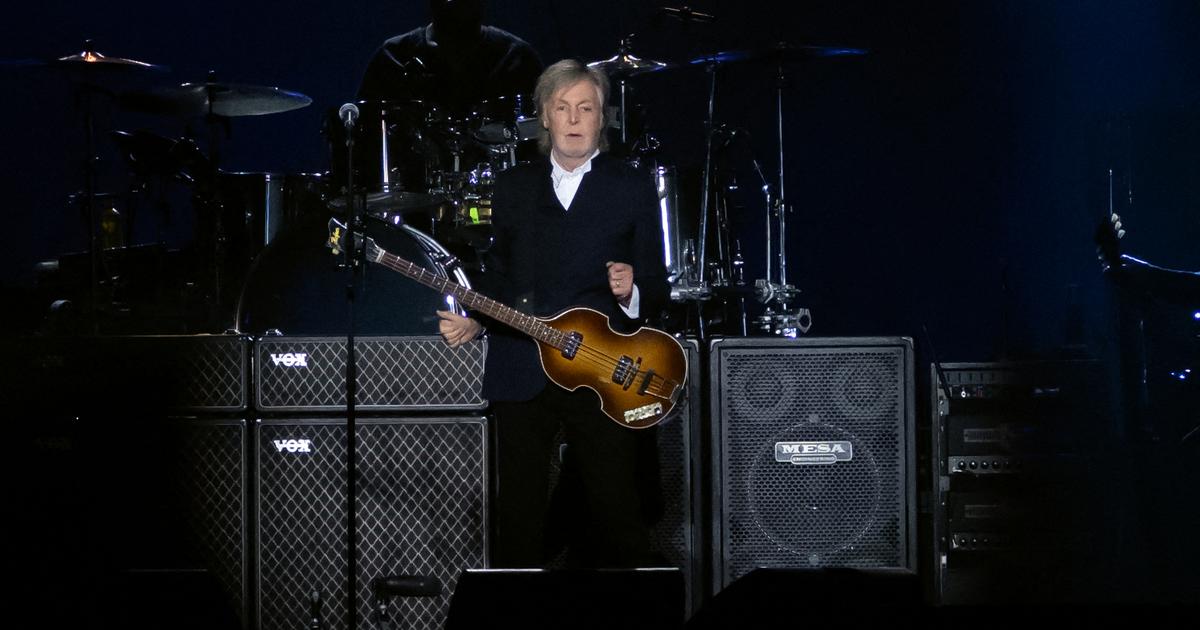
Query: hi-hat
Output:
(218,99)
(781,51)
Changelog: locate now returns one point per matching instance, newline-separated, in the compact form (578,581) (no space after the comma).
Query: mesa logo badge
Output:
(813,453)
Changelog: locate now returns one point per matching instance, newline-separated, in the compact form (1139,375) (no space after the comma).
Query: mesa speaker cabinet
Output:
(813,454)
(421,510)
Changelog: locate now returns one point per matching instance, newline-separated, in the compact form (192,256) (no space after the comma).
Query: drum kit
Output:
(414,164)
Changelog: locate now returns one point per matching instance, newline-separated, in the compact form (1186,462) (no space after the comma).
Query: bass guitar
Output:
(639,377)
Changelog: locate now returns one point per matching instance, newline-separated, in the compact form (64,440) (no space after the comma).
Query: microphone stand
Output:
(353,256)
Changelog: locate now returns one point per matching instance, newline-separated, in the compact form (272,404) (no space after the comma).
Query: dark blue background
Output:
(951,178)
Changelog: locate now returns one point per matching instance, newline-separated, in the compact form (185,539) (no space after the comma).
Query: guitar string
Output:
(597,357)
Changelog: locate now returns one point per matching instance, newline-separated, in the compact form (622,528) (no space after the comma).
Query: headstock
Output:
(337,241)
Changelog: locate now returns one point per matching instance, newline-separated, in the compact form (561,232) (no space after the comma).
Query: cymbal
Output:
(219,99)
(780,51)
(624,64)
(93,59)
(89,65)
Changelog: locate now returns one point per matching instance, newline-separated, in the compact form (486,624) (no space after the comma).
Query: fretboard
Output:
(527,324)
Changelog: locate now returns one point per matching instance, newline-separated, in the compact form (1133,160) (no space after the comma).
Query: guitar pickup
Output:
(571,344)
(626,371)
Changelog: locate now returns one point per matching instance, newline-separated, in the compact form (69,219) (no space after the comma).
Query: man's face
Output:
(457,12)
(573,117)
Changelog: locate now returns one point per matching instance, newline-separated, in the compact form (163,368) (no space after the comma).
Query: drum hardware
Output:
(529,126)
(94,73)
(784,323)
(767,291)
(225,233)
(152,155)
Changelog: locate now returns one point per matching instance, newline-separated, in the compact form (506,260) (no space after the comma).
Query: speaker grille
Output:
(158,493)
(168,373)
(421,510)
(394,374)
(213,473)
(779,514)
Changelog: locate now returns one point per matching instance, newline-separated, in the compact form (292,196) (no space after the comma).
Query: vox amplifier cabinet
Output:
(164,373)
(394,374)
(422,509)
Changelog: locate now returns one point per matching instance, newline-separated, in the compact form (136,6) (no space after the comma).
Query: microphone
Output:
(348,114)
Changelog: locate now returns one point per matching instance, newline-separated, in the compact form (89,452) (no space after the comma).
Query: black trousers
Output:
(607,485)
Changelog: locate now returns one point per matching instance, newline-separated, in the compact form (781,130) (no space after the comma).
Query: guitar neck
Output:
(527,324)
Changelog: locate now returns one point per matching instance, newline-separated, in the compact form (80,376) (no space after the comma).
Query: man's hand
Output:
(620,281)
(1108,247)
(456,329)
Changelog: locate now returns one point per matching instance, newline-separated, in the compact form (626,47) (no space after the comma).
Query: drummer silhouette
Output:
(455,61)
(444,107)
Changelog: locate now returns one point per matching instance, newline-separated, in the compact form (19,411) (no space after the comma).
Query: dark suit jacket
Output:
(546,259)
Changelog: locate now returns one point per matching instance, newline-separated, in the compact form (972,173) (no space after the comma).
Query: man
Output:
(578,228)
(455,61)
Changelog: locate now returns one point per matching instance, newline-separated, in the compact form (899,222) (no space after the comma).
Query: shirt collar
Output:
(557,173)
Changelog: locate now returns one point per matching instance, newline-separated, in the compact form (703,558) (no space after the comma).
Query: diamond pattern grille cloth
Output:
(421,510)
(394,374)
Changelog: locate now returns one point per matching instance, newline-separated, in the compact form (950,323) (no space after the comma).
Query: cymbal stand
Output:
(93,221)
(211,198)
(707,179)
(90,208)
(786,323)
(700,292)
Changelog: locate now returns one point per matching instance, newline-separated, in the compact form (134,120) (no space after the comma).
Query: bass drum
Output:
(297,286)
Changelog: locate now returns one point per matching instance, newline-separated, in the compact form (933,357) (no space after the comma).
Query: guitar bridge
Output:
(571,345)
